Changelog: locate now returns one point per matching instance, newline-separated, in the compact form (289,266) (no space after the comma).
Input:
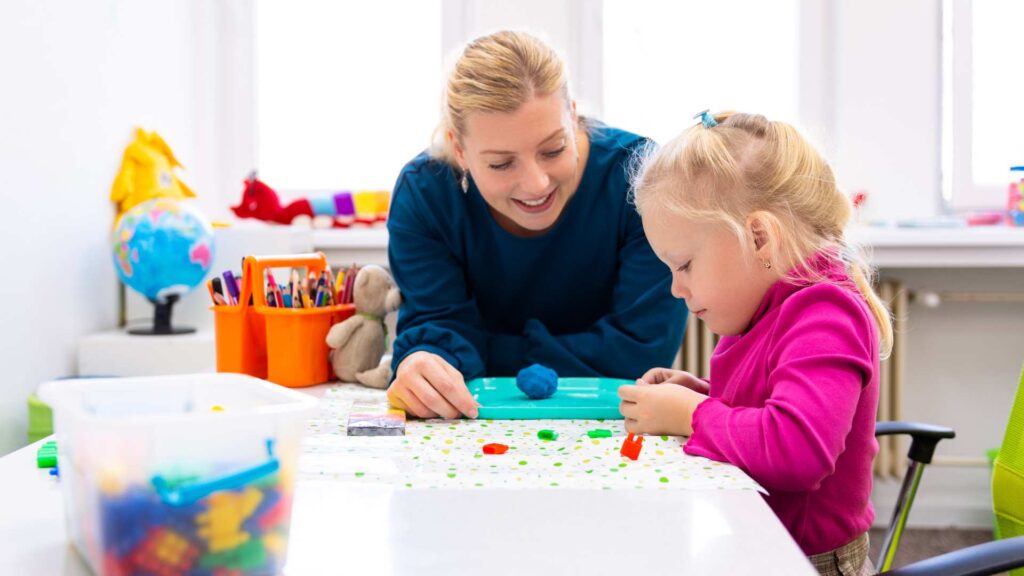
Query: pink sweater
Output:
(793,403)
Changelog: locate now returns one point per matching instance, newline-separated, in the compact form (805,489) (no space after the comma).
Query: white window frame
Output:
(583,41)
(575,25)
(572,25)
(959,190)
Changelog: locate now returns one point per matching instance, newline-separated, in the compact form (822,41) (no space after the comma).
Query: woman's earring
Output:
(767,264)
(465,181)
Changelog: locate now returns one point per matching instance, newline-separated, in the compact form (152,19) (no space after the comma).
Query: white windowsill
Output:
(970,247)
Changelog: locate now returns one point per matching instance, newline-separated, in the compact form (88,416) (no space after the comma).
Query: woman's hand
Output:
(427,386)
(659,409)
(669,376)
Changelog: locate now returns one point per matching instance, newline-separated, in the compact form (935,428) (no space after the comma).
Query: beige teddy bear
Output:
(357,343)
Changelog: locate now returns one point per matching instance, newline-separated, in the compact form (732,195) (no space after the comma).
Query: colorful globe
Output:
(162,247)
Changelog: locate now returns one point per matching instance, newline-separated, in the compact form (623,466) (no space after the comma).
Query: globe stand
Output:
(162,321)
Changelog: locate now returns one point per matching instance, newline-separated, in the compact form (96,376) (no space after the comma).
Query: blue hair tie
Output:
(707,119)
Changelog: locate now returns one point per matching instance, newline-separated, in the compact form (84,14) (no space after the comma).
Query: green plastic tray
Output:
(576,398)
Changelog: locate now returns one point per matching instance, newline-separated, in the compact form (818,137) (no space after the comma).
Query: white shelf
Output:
(969,247)
(351,245)
(117,353)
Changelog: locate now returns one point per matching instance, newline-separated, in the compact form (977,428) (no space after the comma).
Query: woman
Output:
(513,241)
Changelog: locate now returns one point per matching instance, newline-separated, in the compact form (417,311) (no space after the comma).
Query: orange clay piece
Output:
(632,446)
(495,448)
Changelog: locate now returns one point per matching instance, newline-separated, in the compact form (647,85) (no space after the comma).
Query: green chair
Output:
(40,419)
(40,416)
(1008,475)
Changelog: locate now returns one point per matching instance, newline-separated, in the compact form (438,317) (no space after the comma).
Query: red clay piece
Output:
(631,447)
(495,448)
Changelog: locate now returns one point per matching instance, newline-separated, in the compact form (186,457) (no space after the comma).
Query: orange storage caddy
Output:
(283,345)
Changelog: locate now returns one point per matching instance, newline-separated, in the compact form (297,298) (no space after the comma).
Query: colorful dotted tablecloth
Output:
(448,454)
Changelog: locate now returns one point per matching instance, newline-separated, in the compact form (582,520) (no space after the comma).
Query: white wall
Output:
(886,104)
(963,361)
(77,77)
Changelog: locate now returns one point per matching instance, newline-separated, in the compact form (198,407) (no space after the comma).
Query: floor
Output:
(920,543)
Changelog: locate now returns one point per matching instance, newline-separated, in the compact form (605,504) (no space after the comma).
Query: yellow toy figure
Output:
(147,171)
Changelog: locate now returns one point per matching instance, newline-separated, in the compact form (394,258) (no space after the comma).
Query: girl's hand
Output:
(652,409)
(669,376)
(427,386)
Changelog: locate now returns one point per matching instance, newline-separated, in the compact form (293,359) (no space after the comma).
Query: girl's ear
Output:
(762,229)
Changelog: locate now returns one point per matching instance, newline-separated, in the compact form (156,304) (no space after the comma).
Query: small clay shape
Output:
(537,382)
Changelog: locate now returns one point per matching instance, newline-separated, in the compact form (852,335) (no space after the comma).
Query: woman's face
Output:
(526,163)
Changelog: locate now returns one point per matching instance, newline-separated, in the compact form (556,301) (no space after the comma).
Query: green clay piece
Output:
(600,433)
(547,435)
(46,456)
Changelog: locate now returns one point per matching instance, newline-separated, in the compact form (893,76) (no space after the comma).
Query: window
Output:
(347,92)
(666,61)
(982,87)
(342,104)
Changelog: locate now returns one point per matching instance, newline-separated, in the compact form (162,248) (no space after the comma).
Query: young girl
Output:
(747,216)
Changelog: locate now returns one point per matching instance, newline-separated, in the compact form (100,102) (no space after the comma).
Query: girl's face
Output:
(722,283)
(526,163)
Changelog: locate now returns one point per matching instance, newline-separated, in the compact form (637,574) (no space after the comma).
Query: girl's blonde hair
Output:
(748,164)
(496,73)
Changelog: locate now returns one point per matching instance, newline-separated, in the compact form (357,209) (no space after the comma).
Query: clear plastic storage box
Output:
(190,474)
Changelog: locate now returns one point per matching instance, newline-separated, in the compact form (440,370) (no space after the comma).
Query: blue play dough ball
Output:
(537,381)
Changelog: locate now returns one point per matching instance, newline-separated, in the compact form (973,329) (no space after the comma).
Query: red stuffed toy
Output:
(261,202)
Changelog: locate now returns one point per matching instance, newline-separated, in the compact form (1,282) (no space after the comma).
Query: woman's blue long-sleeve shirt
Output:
(587,298)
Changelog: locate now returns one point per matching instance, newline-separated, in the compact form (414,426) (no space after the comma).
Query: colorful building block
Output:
(221,525)
(632,446)
(600,433)
(164,552)
(246,558)
(495,448)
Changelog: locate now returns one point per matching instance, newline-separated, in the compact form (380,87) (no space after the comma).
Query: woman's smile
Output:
(536,205)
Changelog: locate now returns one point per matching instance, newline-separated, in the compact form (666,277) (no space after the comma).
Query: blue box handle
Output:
(191,492)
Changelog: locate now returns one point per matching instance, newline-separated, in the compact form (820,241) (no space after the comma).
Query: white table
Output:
(374,529)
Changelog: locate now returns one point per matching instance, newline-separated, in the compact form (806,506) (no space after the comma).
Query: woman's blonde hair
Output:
(748,164)
(496,73)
